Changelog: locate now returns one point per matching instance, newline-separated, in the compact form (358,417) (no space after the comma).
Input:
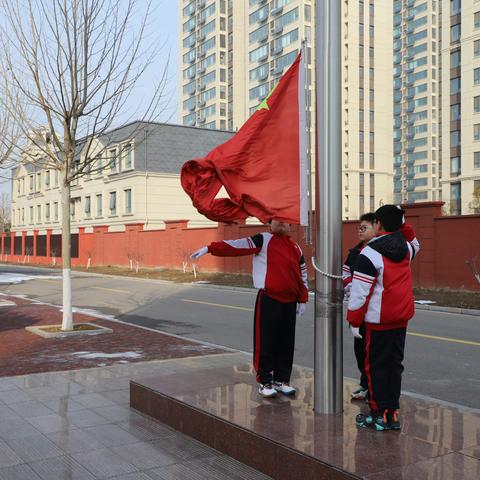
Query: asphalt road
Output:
(442,356)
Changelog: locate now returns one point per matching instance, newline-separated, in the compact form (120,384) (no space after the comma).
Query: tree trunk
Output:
(67,320)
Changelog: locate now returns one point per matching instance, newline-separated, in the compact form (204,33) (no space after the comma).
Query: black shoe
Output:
(393,420)
(376,420)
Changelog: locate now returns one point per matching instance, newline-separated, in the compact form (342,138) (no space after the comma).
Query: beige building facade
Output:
(417,109)
(135,179)
(367,115)
(461,106)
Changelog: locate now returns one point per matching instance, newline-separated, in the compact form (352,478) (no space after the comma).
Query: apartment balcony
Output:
(201,103)
(201,70)
(201,54)
(263,57)
(192,92)
(201,37)
(262,76)
(277,30)
(276,11)
(191,108)
(263,39)
(191,75)
(263,17)
(202,120)
(192,60)
(277,50)
(201,3)
(201,20)
(276,71)
(201,87)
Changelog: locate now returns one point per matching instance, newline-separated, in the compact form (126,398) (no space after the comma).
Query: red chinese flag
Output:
(262,167)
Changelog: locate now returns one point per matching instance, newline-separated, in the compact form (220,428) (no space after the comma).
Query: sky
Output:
(164,25)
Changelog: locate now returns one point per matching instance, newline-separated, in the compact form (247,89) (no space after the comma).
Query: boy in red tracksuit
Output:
(381,296)
(280,274)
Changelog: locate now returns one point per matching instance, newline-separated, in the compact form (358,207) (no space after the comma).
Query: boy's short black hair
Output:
(390,217)
(368,217)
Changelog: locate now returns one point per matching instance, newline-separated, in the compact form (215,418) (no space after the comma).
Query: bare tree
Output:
(71,65)
(4,213)
(475,203)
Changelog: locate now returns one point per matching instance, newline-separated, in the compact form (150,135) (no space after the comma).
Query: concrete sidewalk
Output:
(78,425)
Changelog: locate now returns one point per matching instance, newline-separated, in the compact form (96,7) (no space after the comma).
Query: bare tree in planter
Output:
(71,65)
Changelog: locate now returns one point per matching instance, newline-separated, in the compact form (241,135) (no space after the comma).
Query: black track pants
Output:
(383,367)
(273,339)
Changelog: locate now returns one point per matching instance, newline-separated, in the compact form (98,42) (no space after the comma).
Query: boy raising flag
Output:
(381,296)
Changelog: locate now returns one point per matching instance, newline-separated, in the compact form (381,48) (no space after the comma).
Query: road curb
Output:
(436,308)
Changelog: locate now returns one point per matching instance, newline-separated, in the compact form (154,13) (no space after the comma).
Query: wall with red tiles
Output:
(450,255)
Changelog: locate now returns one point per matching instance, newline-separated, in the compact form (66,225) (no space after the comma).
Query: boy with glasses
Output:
(365,234)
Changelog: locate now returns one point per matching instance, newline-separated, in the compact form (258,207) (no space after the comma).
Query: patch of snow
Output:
(14,278)
(91,355)
(92,313)
(424,302)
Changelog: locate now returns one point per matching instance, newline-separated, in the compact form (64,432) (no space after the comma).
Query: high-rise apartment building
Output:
(461,106)
(234,52)
(204,62)
(367,118)
(416,100)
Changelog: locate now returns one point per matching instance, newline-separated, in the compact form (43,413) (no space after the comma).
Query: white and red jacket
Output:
(381,293)
(278,264)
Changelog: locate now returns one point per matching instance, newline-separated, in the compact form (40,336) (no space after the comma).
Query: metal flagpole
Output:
(328,201)
(308,113)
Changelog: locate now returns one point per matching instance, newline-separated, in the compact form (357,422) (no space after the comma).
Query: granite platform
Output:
(217,404)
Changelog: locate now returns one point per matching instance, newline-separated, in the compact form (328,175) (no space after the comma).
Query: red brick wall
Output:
(449,245)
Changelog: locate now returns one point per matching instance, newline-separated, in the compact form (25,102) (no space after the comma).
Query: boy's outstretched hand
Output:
(199,253)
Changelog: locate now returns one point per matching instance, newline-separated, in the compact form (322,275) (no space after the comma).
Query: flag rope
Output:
(329,275)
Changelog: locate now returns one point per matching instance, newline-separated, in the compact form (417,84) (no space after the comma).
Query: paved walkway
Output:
(78,425)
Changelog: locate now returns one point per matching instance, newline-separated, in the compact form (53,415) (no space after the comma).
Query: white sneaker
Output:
(285,388)
(267,390)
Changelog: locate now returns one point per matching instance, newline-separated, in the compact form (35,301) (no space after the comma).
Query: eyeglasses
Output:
(364,228)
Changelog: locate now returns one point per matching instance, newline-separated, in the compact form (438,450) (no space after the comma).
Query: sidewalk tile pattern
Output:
(77,425)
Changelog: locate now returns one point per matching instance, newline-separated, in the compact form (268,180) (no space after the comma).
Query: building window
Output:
(476,104)
(113,203)
(455,138)
(455,6)
(456,198)
(476,76)
(455,168)
(128,156)
(476,48)
(88,206)
(476,160)
(476,132)
(455,32)
(56,178)
(113,160)
(99,205)
(128,201)
(39,213)
(455,112)
(31,215)
(55,211)
(476,20)
(47,178)
(47,212)
(455,59)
